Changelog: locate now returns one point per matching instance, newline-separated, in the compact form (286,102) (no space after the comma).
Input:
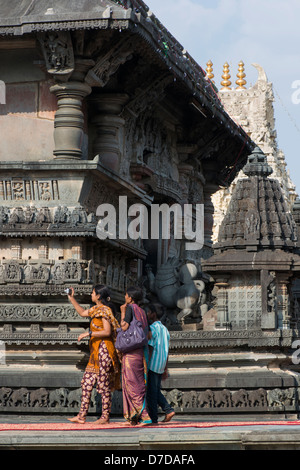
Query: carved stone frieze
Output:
(36,273)
(10,272)
(68,400)
(46,278)
(11,290)
(180,340)
(53,400)
(65,217)
(67,271)
(61,272)
(38,335)
(23,218)
(37,312)
(233,401)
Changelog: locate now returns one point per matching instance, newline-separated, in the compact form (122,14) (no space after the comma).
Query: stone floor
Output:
(154,440)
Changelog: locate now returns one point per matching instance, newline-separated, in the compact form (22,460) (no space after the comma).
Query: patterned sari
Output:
(97,314)
(103,368)
(134,378)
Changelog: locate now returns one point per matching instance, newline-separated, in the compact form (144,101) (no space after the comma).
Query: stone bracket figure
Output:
(269,300)
(58,52)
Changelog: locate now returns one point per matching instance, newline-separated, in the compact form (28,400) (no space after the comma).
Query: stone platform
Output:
(156,441)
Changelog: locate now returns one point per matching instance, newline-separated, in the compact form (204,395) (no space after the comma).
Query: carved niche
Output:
(68,271)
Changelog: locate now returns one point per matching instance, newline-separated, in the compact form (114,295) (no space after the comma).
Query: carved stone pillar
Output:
(222,303)
(284,318)
(108,143)
(69,72)
(69,119)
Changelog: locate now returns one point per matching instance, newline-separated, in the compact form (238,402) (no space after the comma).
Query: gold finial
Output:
(241,75)
(209,70)
(226,76)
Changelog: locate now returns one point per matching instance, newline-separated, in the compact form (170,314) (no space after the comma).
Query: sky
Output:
(266,32)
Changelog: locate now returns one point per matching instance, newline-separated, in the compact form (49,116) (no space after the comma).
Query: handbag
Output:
(133,338)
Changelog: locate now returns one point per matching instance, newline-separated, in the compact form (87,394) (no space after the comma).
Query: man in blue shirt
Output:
(158,350)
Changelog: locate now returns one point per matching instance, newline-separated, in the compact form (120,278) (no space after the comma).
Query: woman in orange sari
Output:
(103,368)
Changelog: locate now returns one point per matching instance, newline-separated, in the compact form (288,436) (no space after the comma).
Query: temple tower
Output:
(256,255)
(252,108)
(98,107)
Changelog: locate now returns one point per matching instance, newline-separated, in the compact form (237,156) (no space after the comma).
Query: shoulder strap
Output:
(133,306)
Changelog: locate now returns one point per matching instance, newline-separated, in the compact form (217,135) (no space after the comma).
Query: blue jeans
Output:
(154,396)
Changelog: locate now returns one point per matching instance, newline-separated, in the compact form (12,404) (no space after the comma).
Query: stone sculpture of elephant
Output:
(58,397)
(180,285)
(39,397)
(19,397)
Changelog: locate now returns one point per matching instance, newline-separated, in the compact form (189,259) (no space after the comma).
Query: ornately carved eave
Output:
(235,260)
(29,16)
(148,31)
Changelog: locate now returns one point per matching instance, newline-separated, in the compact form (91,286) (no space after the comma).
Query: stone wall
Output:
(29,109)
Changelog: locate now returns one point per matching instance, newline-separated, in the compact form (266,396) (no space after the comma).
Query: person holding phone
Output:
(103,368)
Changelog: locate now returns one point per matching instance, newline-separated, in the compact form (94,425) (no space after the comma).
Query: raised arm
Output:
(80,310)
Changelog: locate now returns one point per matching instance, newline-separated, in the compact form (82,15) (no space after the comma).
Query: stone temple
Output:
(101,101)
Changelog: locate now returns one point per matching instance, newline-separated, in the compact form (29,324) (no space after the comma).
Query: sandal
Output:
(168,417)
(145,422)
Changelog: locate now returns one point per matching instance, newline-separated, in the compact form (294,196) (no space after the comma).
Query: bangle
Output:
(90,333)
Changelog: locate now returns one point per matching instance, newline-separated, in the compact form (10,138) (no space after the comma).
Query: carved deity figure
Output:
(58,52)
